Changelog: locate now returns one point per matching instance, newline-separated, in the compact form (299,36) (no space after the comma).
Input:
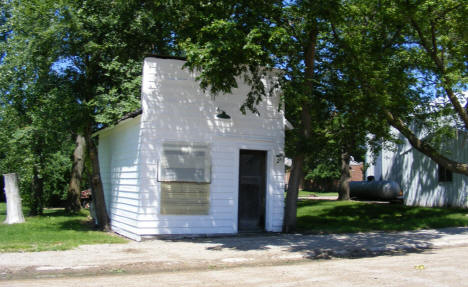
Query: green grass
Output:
(306,193)
(318,216)
(53,231)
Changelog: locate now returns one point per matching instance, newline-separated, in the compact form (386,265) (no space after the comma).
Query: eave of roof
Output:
(124,118)
(166,57)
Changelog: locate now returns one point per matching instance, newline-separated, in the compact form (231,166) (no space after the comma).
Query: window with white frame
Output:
(185,176)
(185,163)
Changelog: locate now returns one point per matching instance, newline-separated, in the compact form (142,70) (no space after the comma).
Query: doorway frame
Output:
(264,156)
(269,148)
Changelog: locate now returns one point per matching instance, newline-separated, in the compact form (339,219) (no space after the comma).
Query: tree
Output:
(405,55)
(241,38)
(105,48)
(92,52)
(322,93)
(33,107)
(437,47)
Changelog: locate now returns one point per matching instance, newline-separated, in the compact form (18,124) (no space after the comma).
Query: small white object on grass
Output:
(13,199)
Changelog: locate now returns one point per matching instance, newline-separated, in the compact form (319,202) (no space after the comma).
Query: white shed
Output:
(423,181)
(191,164)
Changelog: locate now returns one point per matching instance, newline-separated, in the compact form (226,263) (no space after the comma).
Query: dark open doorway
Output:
(252,190)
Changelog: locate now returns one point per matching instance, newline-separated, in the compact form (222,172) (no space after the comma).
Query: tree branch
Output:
(422,39)
(423,147)
(434,44)
(462,112)
(309,60)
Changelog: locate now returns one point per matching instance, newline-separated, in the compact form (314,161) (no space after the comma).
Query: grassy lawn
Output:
(318,216)
(53,231)
(306,193)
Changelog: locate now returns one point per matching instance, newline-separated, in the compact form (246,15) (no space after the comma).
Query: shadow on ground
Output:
(332,226)
(357,245)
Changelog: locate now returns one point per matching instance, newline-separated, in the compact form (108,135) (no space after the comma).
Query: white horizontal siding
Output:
(151,213)
(418,175)
(130,195)
(133,188)
(186,230)
(220,195)
(123,175)
(124,219)
(129,231)
(124,206)
(125,200)
(176,223)
(127,214)
(119,162)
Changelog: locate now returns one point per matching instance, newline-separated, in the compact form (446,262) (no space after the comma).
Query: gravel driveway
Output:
(202,253)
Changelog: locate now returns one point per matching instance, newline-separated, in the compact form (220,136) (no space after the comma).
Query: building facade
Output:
(190,163)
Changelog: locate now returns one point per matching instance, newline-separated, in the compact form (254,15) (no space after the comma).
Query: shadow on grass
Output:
(75,222)
(56,219)
(328,231)
(54,230)
(78,225)
(342,217)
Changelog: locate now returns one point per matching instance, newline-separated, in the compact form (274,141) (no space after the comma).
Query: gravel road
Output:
(439,267)
(203,255)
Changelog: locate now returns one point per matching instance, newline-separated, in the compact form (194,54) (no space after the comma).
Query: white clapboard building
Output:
(188,163)
(423,181)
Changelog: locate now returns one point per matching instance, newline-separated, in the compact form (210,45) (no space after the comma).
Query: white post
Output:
(13,199)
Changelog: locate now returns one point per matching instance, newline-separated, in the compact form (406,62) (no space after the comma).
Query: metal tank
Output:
(385,190)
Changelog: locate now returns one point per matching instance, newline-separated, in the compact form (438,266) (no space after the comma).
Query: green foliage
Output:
(224,40)
(227,39)
(69,67)
(319,216)
(408,58)
(103,51)
(323,171)
(34,103)
(53,231)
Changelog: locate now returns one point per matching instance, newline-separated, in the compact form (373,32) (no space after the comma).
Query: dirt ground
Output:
(439,267)
(209,260)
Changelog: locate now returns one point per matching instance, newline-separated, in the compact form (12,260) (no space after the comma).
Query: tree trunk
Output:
(13,200)
(96,186)
(289,222)
(343,192)
(37,188)
(73,196)
(305,130)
